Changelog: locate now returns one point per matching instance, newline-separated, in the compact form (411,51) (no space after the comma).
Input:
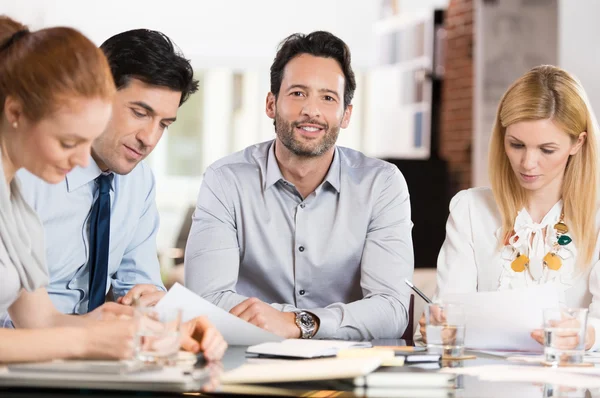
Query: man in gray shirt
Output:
(299,236)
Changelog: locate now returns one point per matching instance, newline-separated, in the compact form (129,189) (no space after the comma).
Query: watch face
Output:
(307,321)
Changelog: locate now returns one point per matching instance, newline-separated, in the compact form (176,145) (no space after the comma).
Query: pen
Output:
(420,293)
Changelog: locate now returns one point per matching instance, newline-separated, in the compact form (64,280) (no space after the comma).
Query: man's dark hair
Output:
(151,57)
(318,44)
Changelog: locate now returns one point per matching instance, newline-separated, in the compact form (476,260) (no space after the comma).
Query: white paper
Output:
(541,359)
(568,376)
(503,320)
(304,348)
(234,330)
(592,357)
(508,354)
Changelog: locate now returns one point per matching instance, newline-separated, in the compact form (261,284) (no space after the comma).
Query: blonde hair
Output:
(548,92)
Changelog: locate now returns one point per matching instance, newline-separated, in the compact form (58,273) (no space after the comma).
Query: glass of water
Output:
(445,328)
(158,337)
(564,335)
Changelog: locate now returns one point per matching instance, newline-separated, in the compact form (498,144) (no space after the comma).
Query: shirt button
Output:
(302,205)
(302,292)
(301,248)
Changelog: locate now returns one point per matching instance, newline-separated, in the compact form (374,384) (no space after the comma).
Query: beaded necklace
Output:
(551,259)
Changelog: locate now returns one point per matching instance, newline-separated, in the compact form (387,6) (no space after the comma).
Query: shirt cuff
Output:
(284,307)
(595,322)
(327,323)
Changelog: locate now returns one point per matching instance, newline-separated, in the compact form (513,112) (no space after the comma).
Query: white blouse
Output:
(475,258)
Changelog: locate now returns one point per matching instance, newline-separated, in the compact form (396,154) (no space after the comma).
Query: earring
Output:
(15,125)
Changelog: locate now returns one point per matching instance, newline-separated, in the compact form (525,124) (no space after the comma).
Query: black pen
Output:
(420,293)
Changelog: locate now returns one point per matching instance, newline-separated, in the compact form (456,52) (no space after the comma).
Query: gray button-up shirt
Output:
(341,253)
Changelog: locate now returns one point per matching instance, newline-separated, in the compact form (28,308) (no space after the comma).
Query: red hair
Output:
(47,68)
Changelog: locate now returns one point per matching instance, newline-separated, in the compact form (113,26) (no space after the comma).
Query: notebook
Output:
(405,377)
(108,376)
(296,348)
(419,357)
(297,371)
(85,366)
(407,392)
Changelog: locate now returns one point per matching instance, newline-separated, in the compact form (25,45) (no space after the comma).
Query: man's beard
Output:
(285,132)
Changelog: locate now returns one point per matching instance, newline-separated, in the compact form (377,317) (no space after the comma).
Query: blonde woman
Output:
(537,224)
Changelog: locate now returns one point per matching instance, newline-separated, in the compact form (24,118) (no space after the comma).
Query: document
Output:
(503,320)
(234,330)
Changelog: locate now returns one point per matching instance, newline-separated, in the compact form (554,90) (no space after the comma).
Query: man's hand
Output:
(147,295)
(266,317)
(200,335)
(110,311)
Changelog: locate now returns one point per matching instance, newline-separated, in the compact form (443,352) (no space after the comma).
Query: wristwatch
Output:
(307,323)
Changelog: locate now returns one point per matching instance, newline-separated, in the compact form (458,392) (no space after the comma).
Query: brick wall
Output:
(456,130)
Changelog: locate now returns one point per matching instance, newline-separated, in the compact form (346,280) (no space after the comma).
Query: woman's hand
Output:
(199,334)
(108,339)
(422,328)
(437,317)
(568,339)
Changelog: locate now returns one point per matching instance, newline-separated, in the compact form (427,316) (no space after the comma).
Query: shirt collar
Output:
(333,176)
(81,176)
(273,172)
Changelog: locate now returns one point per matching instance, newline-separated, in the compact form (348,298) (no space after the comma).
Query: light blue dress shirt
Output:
(342,252)
(64,209)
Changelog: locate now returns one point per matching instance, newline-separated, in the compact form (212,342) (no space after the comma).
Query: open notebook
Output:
(295,348)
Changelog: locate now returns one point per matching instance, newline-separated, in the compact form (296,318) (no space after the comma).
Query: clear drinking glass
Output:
(158,335)
(445,328)
(564,335)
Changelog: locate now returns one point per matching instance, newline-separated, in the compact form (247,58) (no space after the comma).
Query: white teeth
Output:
(311,129)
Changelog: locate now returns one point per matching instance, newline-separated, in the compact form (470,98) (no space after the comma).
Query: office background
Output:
(427,82)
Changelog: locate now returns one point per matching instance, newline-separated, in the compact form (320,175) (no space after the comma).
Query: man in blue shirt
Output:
(101,222)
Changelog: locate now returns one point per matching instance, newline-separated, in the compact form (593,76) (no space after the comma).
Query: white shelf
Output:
(399,21)
(415,63)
